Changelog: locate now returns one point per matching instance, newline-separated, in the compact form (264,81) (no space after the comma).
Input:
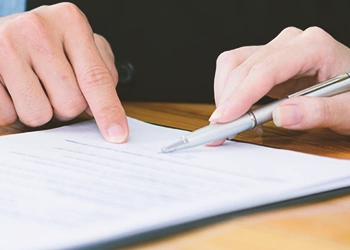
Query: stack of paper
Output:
(67,187)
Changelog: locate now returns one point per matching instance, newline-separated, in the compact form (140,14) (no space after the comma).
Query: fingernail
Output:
(116,134)
(287,116)
(215,116)
(218,113)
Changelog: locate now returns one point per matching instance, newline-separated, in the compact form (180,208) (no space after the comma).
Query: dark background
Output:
(173,44)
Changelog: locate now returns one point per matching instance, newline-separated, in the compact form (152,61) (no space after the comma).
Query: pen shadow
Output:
(321,141)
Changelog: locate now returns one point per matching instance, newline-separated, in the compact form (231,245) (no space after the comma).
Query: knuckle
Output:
(70,108)
(70,12)
(29,23)
(37,117)
(107,55)
(28,27)
(8,119)
(228,57)
(223,57)
(33,29)
(95,77)
(33,108)
(323,47)
(265,66)
(102,42)
(266,69)
(326,112)
(316,34)
(290,31)
(338,116)
(7,47)
(315,31)
(238,74)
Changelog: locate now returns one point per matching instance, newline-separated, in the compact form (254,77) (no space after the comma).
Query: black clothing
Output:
(173,44)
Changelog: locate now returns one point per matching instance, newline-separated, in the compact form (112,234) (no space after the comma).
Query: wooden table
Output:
(319,225)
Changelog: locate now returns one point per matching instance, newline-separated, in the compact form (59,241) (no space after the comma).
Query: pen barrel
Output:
(337,87)
(334,86)
(264,114)
(331,87)
(214,132)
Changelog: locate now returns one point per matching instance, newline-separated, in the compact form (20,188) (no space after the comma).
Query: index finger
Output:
(94,78)
(302,56)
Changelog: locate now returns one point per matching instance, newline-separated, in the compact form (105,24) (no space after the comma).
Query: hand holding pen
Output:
(295,60)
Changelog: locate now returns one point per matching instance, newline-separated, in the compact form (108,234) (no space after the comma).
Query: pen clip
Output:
(320,85)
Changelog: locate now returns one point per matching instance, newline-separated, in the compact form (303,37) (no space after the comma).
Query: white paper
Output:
(67,187)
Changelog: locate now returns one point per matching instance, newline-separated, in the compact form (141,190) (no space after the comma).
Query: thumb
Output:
(312,112)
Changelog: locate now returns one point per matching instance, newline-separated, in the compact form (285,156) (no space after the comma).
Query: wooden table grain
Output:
(318,225)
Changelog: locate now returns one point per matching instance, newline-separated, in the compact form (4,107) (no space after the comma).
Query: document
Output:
(69,188)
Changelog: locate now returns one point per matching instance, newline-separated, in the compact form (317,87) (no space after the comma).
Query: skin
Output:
(53,65)
(294,60)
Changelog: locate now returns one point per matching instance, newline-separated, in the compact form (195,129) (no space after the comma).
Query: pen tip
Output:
(178,144)
(161,150)
(164,150)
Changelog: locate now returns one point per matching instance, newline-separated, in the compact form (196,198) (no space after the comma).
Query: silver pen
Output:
(253,118)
